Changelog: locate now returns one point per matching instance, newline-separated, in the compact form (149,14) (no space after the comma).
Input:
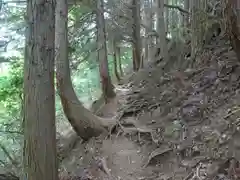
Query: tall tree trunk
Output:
(146,19)
(134,59)
(82,120)
(151,27)
(195,27)
(161,30)
(115,60)
(186,16)
(40,159)
(205,5)
(107,86)
(232,23)
(174,20)
(166,16)
(136,34)
(118,53)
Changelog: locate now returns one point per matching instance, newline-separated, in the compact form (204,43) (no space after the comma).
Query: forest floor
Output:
(175,125)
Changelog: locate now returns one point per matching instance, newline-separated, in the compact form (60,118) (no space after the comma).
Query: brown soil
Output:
(173,125)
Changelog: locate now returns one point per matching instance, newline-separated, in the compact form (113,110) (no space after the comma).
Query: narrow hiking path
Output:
(123,157)
(175,125)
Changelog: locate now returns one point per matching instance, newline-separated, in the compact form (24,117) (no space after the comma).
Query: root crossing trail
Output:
(121,157)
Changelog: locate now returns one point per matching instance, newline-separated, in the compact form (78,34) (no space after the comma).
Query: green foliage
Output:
(85,74)
(86,79)
(11,87)
(11,91)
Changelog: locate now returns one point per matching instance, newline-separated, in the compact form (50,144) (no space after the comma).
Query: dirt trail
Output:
(175,125)
(123,157)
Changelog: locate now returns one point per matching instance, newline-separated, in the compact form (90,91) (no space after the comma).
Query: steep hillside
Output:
(175,125)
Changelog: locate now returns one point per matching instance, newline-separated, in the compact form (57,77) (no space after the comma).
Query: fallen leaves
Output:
(156,154)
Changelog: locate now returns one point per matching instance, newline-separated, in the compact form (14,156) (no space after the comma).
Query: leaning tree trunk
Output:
(82,120)
(107,86)
(232,25)
(39,157)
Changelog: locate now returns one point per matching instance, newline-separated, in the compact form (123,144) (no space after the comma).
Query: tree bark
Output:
(195,27)
(161,30)
(151,27)
(167,16)
(186,16)
(233,26)
(174,20)
(135,67)
(118,53)
(107,86)
(40,160)
(136,34)
(147,21)
(115,61)
(82,120)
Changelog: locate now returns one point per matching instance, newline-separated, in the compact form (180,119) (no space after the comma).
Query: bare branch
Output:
(176,7)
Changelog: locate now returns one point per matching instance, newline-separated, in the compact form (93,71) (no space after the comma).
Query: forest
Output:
(119,90)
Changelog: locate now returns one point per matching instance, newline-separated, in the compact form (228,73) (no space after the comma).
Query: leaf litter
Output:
(174,125)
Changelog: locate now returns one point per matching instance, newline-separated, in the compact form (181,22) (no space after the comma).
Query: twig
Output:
(231,113)
(189,175)
(198,171)
(196,174)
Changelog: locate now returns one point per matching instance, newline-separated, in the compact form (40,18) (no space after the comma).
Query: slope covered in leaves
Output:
(193,115)
(188,121)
